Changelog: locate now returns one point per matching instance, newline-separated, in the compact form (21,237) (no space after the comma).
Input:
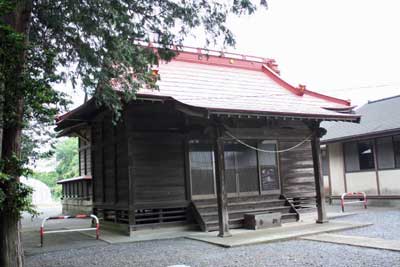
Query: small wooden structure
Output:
(76,195)
(204,148)
(77,192)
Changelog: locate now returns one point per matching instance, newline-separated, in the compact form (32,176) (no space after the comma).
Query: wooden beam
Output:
(319,178)
(375,154)
(115,163)
(131,177)
(342,147)
(103,170)
(188,178)
(222,198)
(329,173)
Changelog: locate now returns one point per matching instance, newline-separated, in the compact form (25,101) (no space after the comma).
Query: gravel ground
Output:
(194,253)
(386,224)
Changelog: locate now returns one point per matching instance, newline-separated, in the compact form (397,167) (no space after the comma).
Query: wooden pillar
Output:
(188,182)
(375,153)
(319,178)
(222,197)
(128,138)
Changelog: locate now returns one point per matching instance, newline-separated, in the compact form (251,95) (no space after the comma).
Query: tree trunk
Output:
(10,238)
(2,87)
(11,252)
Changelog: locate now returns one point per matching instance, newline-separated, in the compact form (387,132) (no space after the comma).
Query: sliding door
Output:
(247,171)
(241,169)
(268,168)
(202,169)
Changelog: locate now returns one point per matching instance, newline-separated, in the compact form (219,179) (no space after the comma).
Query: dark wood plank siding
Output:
(157,153)
(121,161)
(296,168)
(97,157)
(158,169)
(110,160)
(148,172)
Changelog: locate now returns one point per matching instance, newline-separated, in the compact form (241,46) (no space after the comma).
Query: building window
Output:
(385,153)
(366,155)
(352,161)
(359,156)
(324,158)
(396,148)
(245,168)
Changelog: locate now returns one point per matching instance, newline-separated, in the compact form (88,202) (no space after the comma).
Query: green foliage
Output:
(49,178)
(16,197)
(67,166)
(97,42)
(99,39)
(66,153)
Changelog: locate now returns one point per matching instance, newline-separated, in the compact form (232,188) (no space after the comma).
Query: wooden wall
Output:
(142,161)
(110,159)
(158,169)
(296,168)
(156,155)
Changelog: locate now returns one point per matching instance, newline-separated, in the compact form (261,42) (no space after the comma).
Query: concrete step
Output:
(263,204)
(239,223)
(244,211)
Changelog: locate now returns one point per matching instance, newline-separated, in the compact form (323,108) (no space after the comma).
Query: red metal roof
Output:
(238,84)
(234,83)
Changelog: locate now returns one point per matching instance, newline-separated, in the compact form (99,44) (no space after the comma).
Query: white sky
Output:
(347,49)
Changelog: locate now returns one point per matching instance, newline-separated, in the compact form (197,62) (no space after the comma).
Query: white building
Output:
(365,156)
(41,192)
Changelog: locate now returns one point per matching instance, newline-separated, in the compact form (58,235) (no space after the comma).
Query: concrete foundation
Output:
(76,206)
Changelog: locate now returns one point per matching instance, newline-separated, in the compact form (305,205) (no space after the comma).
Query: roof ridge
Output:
(328,97)
(301,89)
(382,99)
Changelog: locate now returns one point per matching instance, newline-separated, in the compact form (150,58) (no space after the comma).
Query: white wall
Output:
(326,185)
(362,181)
(389,182)
(336,168)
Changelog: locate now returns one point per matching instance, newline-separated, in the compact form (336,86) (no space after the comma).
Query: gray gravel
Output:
(194,253)
(386,224)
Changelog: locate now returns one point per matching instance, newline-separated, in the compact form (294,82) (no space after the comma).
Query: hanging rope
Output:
(268,151)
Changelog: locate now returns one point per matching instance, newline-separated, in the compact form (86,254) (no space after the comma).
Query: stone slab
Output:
(358,241)
(112,237)
(241,237)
